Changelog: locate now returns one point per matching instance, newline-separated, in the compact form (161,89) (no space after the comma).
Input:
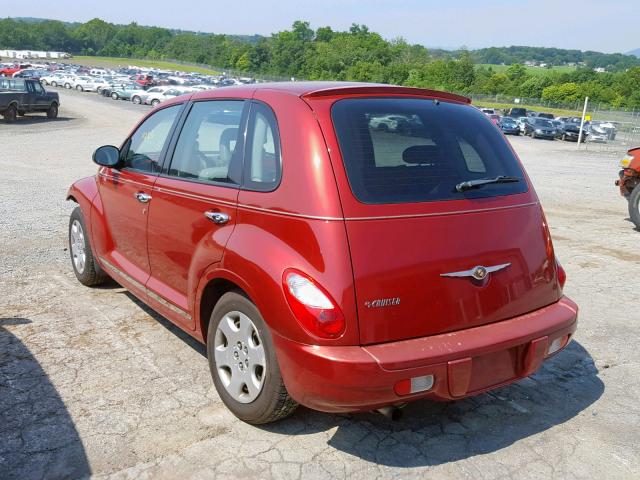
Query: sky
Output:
(603,25)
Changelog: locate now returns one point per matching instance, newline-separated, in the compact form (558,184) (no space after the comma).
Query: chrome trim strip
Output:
(149,292)
(168,304)
(243,206)
(437,214)
(125,180)
(315,217)
(479,272)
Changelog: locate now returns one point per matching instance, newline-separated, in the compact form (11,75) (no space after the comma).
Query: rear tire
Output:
(79,88)
(136,99)
(155,102)
(634,206)
(53,111)
(266,400)
(11,114)
(86,269)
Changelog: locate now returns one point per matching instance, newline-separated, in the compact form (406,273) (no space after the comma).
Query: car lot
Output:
(91,381)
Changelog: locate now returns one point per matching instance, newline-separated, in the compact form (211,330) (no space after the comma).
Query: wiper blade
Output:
(469,184)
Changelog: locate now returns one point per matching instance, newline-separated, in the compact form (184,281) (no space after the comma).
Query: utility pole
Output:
(584,113)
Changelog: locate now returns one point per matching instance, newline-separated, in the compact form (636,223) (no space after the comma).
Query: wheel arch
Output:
(213,286)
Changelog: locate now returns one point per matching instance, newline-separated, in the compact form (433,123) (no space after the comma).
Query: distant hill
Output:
(635,53)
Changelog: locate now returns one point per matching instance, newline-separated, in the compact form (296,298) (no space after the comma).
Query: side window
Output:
(38,88)
(30,87)
(262,169)
(145,146)
(210,145)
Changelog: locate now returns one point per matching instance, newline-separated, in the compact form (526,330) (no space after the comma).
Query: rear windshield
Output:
(400,150)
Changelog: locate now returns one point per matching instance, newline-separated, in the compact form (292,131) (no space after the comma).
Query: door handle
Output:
(142,197)
(217,217)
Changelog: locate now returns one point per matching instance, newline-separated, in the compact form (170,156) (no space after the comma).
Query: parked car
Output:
(126,92)
(509,126)
(156,98)
(571,132)
(86,84)
(392,123)
(559,127)
(143,80)
(516,112)
(21,96)
(488,111)
(143,95)
(548,116)
(540,128)
(595,134)
(268,258)
(629,183)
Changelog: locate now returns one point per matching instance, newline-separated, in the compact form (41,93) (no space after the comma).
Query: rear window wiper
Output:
(469,184)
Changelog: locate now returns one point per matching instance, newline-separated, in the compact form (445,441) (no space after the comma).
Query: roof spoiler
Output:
(386,89)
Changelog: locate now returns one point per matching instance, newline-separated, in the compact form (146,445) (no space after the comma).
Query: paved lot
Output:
(94,383)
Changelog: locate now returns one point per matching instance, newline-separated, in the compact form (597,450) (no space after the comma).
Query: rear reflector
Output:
(557,344)
(414,385)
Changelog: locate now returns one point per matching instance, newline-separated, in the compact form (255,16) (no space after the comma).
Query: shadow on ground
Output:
(37,119)
(433,433)
(38,438)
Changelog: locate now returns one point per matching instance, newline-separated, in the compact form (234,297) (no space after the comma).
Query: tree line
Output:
(325,54)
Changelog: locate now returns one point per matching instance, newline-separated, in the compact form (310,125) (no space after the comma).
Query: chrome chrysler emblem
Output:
(478,273)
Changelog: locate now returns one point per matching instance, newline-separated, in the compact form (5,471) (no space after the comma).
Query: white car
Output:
(85,84)
(156,98)
(141,97)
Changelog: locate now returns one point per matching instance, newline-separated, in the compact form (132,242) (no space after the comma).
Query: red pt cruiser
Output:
(326,255)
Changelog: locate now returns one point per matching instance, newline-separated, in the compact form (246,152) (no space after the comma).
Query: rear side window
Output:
(210,145)
(262,163)
(400,150)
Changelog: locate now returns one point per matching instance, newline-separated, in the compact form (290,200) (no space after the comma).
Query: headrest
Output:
(421,154)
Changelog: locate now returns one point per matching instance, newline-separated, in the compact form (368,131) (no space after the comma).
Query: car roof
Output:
(322,89)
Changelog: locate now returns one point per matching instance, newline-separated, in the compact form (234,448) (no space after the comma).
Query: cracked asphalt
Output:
(93,383)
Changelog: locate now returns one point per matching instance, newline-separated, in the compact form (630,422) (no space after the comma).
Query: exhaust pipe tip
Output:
(391,412)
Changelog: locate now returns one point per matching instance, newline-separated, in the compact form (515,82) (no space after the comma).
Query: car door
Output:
(41,98)
(126,194)
(29,102)
(194,204)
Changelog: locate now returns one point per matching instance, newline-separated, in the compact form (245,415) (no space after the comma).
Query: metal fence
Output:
(626,121)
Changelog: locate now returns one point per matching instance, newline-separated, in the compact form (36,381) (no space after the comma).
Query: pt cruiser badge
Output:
(478,273)
(382,302)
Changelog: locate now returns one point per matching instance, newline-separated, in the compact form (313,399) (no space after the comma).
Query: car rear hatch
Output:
(416,240)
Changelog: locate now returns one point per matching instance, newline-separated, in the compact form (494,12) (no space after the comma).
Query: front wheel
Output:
(53,111)
(87,270)
(634,206)
(243,363)
(115,96)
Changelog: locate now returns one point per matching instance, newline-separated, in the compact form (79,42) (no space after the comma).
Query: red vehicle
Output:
(144,80)
(324,261)
(629,183)
(9,71)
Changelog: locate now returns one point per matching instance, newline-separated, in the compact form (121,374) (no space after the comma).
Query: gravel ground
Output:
(94,383)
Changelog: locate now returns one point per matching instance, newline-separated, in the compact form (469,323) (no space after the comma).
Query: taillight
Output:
(562,275)
(312,306)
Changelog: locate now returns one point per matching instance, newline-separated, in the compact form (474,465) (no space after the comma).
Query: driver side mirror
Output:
(107,156)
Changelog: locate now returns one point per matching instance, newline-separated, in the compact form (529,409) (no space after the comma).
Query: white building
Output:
(24,54)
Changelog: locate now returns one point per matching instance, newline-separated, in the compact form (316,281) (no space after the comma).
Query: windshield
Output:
(422,155)
(544,123)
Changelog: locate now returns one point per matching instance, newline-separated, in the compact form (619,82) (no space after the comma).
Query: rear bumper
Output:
(463,363)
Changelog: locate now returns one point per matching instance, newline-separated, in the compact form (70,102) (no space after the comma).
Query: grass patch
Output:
(113,62)
(533,71)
